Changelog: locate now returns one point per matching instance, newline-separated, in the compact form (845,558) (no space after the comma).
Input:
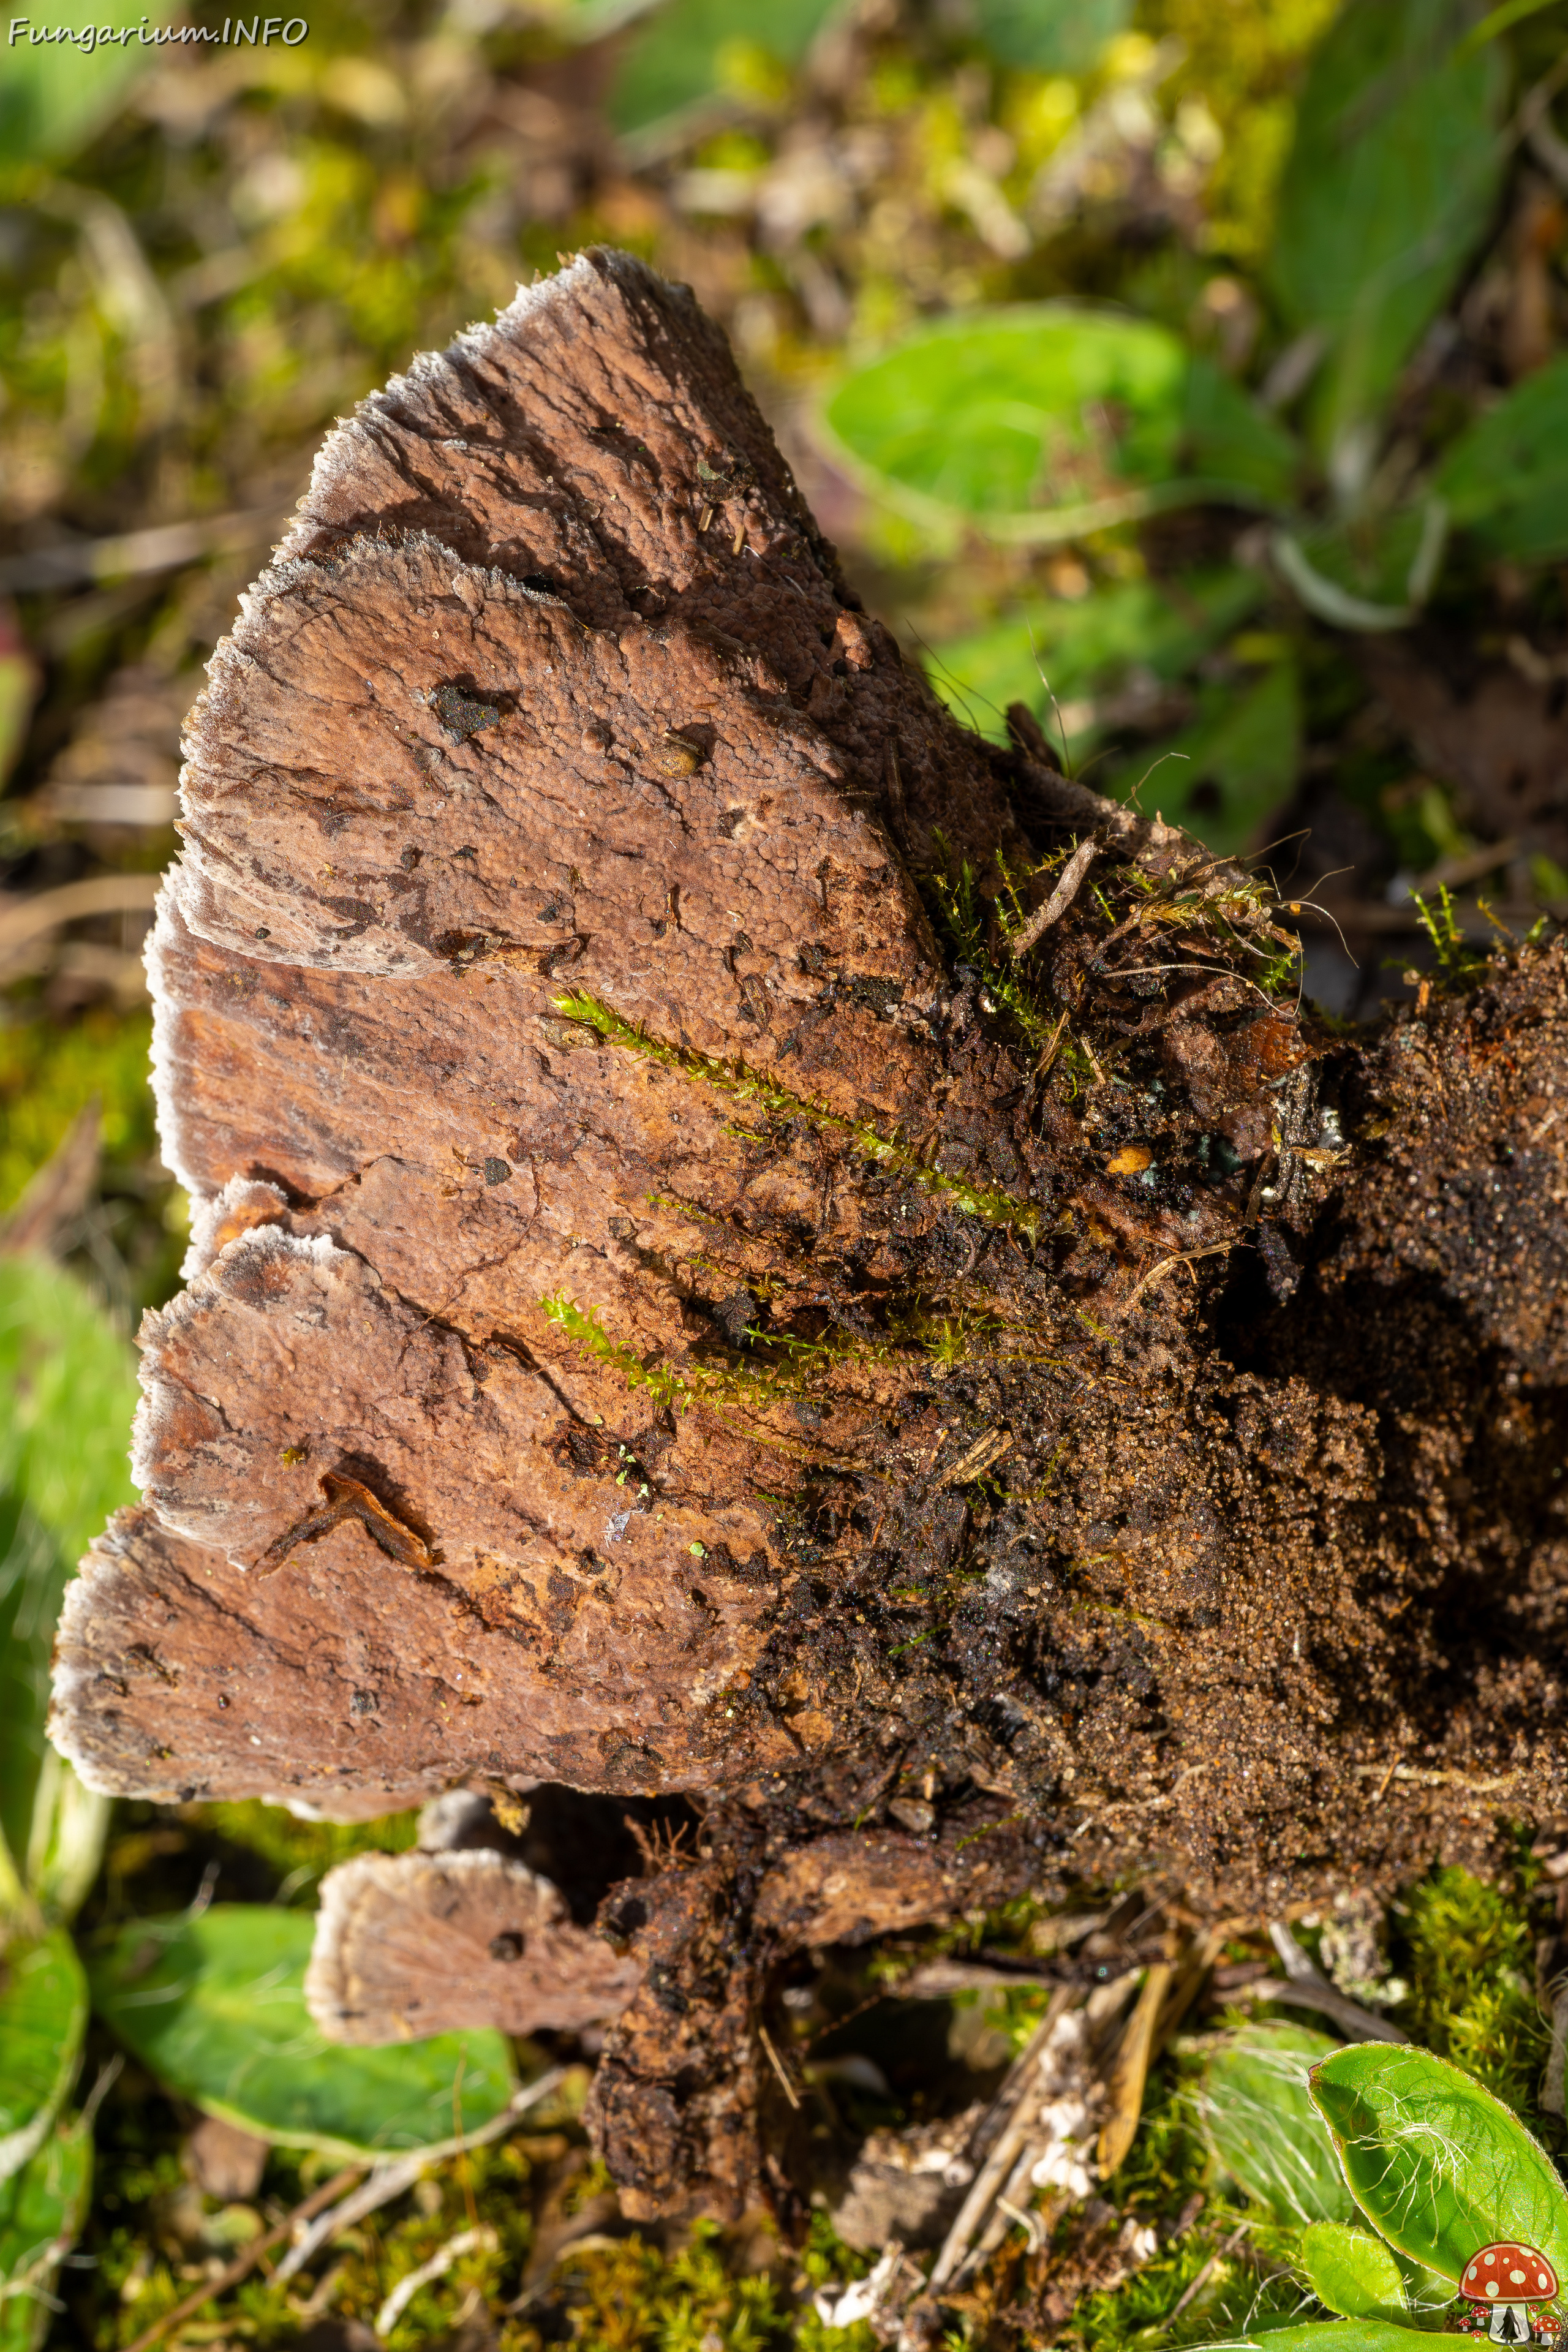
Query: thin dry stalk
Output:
(390,2180)
(777,2064)
(56,1196)
(1061,900)
(1307,1988)
(1128,2070)
(244,2263)
(1194,2286)
(1003,2128)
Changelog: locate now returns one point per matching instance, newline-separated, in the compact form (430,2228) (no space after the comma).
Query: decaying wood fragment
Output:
(674,1302)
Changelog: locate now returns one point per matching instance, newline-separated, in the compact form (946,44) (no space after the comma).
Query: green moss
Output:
(628,2296)
(757,1383)
(777,1102)
(1247,2291)
(47,1074)
(980,927)
(1170,2159)
(967,918)
(151,2226)
(1169,2165)
(1469,1958)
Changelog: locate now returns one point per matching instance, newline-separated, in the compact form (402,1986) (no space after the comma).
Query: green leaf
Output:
(1505,480)
(1434,2161)
(1228,773)
(42,2208)
(1046,420)
(1050,36)
(214,2007)
(1351,2271)
(1387,192)
(1369,572)
(68,1391)
(1228,440)
(1332,2336)
(1428,2299)
(1093,646)
(43,2016)
(693,50)
(1264,2128)
(53,97)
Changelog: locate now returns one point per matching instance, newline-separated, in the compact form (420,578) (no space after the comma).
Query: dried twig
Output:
(23,921)
(1199,1959)
(245,2263)
(936,1979)
(467,2241)
(983,1454)
(777,2064)
(1194,2286)
(390,2180)
(1307,1988)
(1056,2078)
(1061,900)
(1004,2126)
(1353,2020)
(1163,1266)
(56,1196)
(1026,2221)
(1419,1777)
(128,554)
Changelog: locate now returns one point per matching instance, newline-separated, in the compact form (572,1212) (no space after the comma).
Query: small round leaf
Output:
(1350,2271)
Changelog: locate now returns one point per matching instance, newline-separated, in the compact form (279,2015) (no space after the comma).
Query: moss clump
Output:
(48,1073)
(1228,2259)
(1469,1960)
(152,2231)
(628,2295)
(776,1102)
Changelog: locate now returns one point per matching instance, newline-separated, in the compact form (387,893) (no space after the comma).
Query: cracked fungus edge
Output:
(79,1667)
(999,1209)
(471,349)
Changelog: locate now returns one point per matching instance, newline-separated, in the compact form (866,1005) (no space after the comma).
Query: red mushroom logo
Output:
(1504,2281)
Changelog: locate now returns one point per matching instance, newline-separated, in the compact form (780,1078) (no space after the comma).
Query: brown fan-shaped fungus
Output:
(679,1304)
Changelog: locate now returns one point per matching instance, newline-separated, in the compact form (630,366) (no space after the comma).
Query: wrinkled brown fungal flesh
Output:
(413,1944)
(776,1368)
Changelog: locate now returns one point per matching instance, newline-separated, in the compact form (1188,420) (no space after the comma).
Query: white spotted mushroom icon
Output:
(1508,2283)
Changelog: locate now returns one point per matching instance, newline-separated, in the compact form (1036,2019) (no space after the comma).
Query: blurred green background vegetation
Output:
(1189,370)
